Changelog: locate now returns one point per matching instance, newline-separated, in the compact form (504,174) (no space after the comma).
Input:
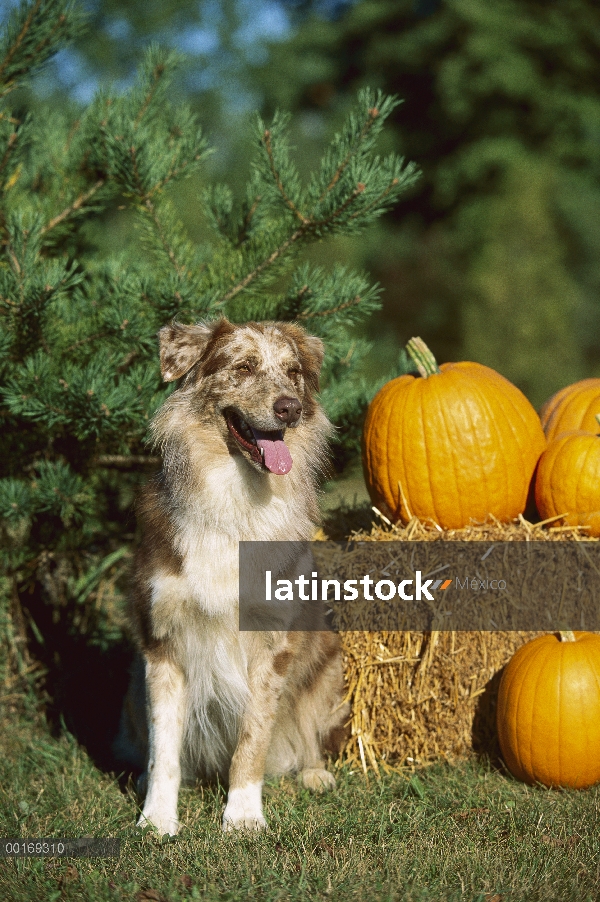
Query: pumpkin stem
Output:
(422,357)
(567,636)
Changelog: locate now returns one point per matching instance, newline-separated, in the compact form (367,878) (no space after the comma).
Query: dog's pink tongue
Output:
(276,454)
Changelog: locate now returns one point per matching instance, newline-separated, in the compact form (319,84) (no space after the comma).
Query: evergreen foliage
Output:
(78,354)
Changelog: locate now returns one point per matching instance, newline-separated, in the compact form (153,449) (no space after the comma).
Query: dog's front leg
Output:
(165,691)
(244,799)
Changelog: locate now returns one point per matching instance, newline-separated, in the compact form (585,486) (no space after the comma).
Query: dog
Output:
(243,443)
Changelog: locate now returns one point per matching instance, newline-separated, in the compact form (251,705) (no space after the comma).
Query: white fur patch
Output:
(160,817)
(244,808)
(216,668)
(166,732)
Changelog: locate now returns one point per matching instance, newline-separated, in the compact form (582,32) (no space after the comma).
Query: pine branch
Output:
(174,172)
(247,221)
(348,195)
(337,214)
(372,116)
(86,340)
(33,34)
(307,228)
(169,251)
(277,179)
(10,146)
(157,74)
(14,262)
(309,314)
(72,208)
(378,200)
(20,37)
(263,265)
(139,187)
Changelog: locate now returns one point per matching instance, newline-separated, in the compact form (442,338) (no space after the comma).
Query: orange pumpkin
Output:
(571,409)
(454,444)
(568,481)
(548,713)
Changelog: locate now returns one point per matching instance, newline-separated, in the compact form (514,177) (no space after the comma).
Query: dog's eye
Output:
(294,372)
(244,368)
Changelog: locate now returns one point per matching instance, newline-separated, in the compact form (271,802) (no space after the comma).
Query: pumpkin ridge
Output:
(548,408)
(538,661)
(556,508)
(418,402)
(591,664)
(561,664)
(591,454)
(499,443)
(585,736)
(569,408)
(405,399)
(593,404)
(554,463)
(581,715)
(455,481)
(525,666)
(427,455)
(508,676)
(562,410)
(540,682)
(526,427)
(466,412)
(390,413)
(503,402)
(509,723)
(593,668)
(581,474)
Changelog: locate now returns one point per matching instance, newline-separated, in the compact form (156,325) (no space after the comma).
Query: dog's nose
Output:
(287,410)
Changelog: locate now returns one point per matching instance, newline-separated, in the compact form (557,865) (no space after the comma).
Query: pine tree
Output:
(78,354)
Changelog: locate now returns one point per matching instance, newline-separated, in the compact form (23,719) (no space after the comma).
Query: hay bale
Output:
(417,697)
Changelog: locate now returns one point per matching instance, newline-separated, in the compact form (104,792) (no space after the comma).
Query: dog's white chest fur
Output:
(234,502)
(197,608)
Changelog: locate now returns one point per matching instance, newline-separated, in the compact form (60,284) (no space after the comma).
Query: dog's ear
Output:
(181,347)
(311,350)
(314,350)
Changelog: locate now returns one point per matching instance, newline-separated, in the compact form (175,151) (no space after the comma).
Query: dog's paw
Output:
(161,821)
(317,779)
(243,822)
(244,809)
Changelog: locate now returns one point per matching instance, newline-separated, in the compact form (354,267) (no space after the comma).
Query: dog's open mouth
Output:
(265,448)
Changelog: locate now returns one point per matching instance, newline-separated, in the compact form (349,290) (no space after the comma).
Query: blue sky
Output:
(213,60)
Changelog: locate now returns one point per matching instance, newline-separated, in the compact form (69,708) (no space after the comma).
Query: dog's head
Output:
(254,381)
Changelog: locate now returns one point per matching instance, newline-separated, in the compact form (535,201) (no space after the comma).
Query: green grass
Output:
(460,831)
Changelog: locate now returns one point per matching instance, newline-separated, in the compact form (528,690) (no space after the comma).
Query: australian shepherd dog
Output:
(243,443)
